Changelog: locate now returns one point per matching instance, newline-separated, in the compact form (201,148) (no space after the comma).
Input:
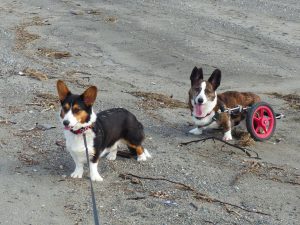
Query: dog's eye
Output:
(76,110)
(65,108)
(207,91)
(197,89)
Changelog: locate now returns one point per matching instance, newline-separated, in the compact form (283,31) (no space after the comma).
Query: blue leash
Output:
(95,211)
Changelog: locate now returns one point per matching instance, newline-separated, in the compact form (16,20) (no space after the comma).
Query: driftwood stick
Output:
(245,150)
(210,222)
(7,122)
(128,175)
(198,195)
(210,199)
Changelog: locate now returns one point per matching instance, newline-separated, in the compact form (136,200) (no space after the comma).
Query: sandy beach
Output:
(140,55)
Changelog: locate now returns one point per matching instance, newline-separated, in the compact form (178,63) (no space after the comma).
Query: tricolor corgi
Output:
(104,131)
(206,105)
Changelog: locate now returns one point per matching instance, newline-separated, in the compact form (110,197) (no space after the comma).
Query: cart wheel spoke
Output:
(257,129)
(261,112)
(256,120)
(265,129)
(257,115)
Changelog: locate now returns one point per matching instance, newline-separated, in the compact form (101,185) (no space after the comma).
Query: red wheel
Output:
(261,121)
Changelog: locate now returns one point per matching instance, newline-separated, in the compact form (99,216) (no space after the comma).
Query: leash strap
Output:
(95,211)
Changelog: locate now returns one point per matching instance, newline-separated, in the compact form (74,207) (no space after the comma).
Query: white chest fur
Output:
(206,121)
(75,144)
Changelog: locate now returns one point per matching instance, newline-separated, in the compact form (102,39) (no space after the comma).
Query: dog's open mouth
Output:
(68,128)
(198,110)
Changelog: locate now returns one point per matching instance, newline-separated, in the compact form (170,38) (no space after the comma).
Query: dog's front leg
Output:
(227,136)
(78,166)
(196,131)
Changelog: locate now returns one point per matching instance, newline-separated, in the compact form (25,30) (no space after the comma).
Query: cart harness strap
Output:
(230,111)
(214,118)
(95,212)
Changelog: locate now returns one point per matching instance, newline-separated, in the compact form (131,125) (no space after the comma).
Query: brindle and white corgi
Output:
(205,103)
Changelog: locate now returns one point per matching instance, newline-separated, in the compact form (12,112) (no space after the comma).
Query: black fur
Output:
(115,124)
(196,76)
(215,79)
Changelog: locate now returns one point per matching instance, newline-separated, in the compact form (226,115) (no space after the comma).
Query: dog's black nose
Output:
(66,122)
(200,100)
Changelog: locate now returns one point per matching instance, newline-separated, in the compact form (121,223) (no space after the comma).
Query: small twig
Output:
(251,168)
(198,195)
(28,130)
(45,110)
(136,198)
(292,182)
(207,221)
(60,143)
(232,211)
(276,168)
(245,150)
(7,122)
(238,176)
(111,164)
(209,199)
(194,206)
(128,175)
(221,149)
(34,103)
(258,169)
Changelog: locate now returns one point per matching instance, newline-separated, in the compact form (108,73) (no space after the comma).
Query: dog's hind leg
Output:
(112,155)
(133,151)
(134,139)
(104,153)
(95,176)
(142,153)
(225,122)
(111,151)
(147,153)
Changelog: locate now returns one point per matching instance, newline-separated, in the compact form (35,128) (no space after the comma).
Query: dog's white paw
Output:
(196,131)
(77,173)
(146,152)
(94,174)
(142,157)
(227,136)
(112,156)
(104,153)
(96,177)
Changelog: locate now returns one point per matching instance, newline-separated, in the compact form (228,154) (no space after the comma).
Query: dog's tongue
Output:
(198,110)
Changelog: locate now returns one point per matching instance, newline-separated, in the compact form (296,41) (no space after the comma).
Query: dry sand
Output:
(147,46)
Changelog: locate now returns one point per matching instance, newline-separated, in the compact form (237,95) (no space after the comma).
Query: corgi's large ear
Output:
(196,76)
(89,96)
(215,78)
(62,89)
